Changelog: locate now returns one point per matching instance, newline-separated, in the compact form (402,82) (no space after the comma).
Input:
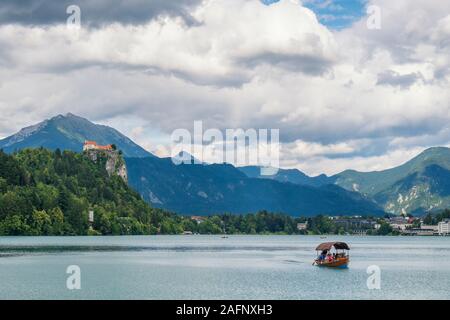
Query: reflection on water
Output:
(211,267)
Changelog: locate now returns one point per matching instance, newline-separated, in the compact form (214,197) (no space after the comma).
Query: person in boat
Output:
(329,257)
(323,255)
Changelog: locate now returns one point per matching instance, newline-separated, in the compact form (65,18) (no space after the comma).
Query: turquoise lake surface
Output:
(212,267)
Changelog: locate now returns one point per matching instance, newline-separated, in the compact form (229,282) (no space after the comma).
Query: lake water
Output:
(210,267)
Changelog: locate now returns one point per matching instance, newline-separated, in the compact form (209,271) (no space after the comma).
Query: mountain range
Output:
(418,186)
(203,189)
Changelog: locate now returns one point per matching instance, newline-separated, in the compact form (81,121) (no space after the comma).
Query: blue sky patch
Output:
(335,14)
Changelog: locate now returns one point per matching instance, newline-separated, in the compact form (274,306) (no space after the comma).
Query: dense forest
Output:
(50,193)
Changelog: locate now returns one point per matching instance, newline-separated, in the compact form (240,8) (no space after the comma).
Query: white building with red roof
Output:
(92,145)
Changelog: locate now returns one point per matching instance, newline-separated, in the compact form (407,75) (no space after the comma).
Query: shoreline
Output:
(226,235)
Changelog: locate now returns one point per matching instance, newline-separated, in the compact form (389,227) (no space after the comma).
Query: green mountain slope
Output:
(69,133)
(422,191)
(417,186)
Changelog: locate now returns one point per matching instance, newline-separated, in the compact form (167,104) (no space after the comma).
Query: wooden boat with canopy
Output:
(339,259)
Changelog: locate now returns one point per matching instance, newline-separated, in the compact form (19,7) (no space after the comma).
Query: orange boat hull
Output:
(338,263)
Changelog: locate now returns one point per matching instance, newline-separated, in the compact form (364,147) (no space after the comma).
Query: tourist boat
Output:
(339,259)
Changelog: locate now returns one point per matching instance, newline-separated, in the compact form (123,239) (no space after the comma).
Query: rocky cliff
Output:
(114,163)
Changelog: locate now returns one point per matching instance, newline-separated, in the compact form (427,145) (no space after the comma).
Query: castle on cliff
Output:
(92,145)
(114,163)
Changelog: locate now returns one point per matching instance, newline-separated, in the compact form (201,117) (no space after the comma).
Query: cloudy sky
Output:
(343,95)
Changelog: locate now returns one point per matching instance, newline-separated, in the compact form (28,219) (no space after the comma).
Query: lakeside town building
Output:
(401,223)
(302,226)
(444,227)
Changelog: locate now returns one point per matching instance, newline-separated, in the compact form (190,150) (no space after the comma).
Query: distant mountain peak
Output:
(68,132)
(437,149)
(434,155)
(287,175)
(433,152)
(70,116)
(186,158)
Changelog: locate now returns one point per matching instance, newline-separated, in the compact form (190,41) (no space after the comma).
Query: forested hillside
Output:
(50,193)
